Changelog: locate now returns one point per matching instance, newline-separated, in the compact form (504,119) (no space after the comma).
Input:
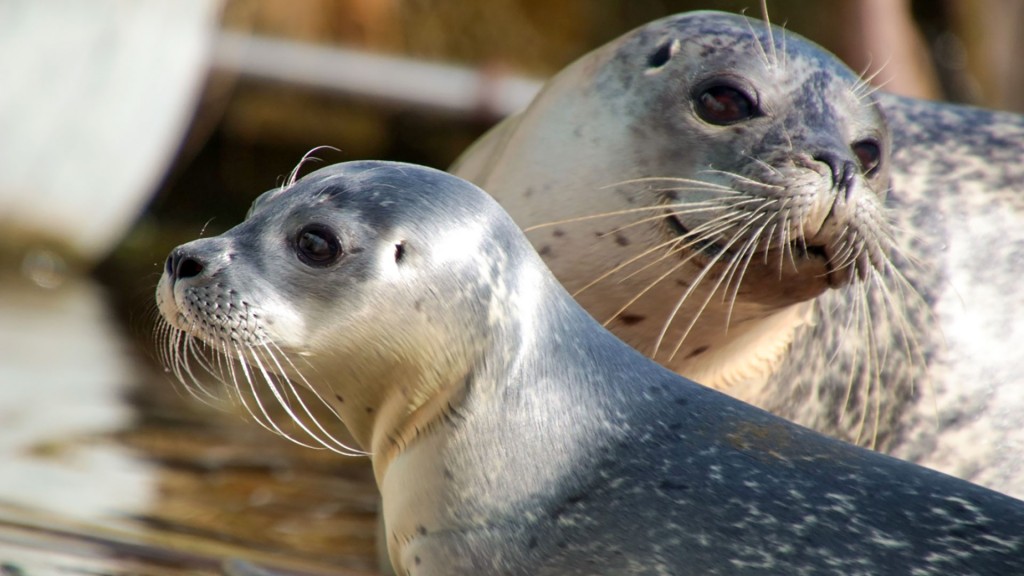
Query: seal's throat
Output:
(402,421)
(510,403)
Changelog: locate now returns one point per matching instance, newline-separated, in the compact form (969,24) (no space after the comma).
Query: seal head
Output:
(695,184)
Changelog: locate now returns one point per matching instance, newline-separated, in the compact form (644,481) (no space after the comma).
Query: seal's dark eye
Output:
(317,246)
(869,154)
(722,104)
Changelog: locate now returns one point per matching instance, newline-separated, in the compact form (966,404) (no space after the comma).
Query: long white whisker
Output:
(269,422)
(307,157)
(334,445)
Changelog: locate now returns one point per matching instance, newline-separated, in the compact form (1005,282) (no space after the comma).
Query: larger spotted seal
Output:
(511,434)
(703,183)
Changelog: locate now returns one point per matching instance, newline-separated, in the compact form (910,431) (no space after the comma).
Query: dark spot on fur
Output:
(545,250)
(532,542)
(682,401)
(418,305)
(369,409)
(558,233)
(447,474)
(416,559)
(422,530)
(672,486)
(569,502)
(698,351)
(682,283)
(340,399)
(528,193)
(621,239)
(631,319)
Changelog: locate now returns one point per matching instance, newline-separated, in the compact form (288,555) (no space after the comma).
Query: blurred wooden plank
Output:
(36,545)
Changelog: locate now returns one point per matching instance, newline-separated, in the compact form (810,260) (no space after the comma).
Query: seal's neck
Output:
(388,400)
(548,384)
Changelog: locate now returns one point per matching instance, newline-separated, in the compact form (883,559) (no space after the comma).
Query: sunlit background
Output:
(129,126)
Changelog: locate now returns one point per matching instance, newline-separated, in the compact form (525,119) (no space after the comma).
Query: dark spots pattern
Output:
(621,239)
(340,398)
(672,486)
(558,233)
(698,351)
(545,250)
(569,502)
(631,319)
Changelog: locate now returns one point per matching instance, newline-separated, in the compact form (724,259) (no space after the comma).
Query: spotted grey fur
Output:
(545,445)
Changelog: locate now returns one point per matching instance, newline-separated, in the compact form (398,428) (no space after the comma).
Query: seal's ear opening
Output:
(662,54)
(399,252)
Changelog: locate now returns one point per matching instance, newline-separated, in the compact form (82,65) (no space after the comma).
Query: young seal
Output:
(726,196)
(510,433)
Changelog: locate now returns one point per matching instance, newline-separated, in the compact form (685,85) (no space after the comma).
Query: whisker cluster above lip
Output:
(728,221)
(731,228)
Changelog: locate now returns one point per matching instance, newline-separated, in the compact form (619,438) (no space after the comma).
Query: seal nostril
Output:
(181,265)
(188,268)
(843,171)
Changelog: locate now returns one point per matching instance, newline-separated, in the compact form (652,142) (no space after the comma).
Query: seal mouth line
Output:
(708,247)
(711,248)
